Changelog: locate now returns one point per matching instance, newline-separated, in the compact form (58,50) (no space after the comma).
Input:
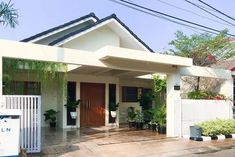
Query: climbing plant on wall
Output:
(45,72)
(159,89)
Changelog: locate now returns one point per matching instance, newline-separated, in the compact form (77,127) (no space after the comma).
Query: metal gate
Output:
(30,121)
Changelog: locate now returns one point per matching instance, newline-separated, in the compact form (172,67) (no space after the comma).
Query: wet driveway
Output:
(124,142)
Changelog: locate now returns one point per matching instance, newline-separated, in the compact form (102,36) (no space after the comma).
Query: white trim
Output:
(62,29)
(125,30)
(98,26)
(82,33)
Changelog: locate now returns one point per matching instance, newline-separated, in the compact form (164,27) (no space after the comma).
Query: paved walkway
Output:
(106,142)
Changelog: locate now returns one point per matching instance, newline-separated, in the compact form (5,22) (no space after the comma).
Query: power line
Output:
(167,15)
(165,18)
(217,10)
(189,11)
(208,12)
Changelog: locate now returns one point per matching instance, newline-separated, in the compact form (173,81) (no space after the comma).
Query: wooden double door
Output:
(92,106)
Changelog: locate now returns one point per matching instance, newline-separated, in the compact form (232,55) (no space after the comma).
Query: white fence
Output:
(30,121)
(195,111)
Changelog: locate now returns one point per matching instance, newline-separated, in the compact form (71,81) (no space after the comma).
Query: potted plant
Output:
(160,116)
(152,125)
(131,117)
(50,115)
(113,109)
(72,106)
(139,120)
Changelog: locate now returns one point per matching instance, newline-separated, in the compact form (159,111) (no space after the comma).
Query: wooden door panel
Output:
(93,104)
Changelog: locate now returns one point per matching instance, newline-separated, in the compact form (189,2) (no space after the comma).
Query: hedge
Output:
(217,127)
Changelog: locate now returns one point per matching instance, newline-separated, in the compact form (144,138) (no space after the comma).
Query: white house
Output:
(104,59)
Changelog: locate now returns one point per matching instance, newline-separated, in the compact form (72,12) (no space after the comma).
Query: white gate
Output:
(30,121)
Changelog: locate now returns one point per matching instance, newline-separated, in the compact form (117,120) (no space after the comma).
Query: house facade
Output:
(105,60)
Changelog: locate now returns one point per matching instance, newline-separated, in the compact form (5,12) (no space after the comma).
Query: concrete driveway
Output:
(123,142)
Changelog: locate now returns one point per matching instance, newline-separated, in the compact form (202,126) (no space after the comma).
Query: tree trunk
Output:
(198,83)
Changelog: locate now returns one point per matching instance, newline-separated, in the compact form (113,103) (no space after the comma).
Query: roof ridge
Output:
(60,26)
(96,23)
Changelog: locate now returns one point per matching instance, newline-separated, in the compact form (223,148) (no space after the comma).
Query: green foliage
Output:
(159,90)
(8,15)
(46,72)
(50,115)
(159,115)
(217,127)
(159,84)
(139,116)
(113,106)
(204,48)
(72,104)
(131,114)
(198,94)
(146,100)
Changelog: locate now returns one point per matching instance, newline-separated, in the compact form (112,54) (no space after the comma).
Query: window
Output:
(25,88)
(132,94)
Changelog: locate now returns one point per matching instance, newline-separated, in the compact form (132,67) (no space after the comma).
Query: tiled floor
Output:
(122,142)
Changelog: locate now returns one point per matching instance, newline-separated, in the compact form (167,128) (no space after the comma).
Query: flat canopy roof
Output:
(113,60)
(109,53)
(138,60)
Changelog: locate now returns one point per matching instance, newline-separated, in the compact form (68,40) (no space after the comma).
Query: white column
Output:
(226,89)
(117,101)
(78,96)
(106,104)
(173,105)
(1,74)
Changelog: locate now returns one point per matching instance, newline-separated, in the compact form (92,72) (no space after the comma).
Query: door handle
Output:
(89,104)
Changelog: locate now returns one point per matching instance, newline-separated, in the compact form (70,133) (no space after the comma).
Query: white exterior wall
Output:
(195,111)
(124,105)
(173,111)
(94,40)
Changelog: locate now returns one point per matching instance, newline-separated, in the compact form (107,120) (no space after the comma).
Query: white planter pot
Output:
(114,114)
(73,115)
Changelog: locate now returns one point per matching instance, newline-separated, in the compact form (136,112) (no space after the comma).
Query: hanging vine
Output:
(44,72)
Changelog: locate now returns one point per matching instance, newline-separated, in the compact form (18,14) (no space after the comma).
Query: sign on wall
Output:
(9,136)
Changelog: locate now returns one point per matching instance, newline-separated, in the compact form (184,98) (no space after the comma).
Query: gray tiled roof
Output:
(59,27)
(96,23)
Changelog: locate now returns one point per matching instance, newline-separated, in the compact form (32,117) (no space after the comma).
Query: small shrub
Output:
(217,127)
(199,94)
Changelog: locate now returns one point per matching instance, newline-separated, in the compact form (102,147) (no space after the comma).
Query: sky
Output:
(36,16)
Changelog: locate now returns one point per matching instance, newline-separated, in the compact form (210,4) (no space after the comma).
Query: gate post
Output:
(173,108)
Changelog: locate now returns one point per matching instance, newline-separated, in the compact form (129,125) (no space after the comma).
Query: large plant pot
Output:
(113,114)
(162,130)
(131,124)
(139,125)
(73,115)
(154,127)
(52,124)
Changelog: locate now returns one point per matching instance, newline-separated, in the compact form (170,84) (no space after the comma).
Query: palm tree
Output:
(8,15)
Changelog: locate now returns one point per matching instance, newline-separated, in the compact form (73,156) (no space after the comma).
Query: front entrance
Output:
(92,106)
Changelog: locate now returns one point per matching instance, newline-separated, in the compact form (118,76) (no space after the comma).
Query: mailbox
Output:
(9,132)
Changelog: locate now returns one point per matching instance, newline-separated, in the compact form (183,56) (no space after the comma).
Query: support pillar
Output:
(226,89)
(173,105)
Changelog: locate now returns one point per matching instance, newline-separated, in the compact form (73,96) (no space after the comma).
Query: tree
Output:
(205,49)
(8,15)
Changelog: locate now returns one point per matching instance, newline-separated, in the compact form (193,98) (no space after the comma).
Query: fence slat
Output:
(30,121)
